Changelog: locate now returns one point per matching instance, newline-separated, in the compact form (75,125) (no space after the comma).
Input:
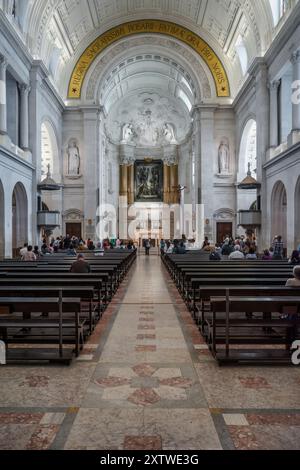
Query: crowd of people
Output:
(232,249)
(71,246)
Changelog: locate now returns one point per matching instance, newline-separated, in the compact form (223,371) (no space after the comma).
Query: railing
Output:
(48,219)
(249,218)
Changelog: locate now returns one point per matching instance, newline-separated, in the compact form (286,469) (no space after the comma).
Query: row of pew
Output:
(242,308)
(47,313)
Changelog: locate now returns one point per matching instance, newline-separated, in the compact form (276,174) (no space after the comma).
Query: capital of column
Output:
(126,160)
(273,86)
(295,58)
(3,62)
(24,88)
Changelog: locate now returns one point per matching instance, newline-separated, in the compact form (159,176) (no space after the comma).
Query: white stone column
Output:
(273,87)
(196,150)
(24,116)
(3,104)
(259,70)
(295,59)
(91,125)
(208,153)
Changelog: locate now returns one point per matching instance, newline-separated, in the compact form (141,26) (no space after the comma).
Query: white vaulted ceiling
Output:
(58,31)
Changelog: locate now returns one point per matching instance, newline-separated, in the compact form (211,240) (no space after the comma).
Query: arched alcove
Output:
(2,221)
(279,211)
(19,217)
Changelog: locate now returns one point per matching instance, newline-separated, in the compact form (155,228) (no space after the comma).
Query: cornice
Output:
(15,41)
(282,156)
(4,151)
(284,35)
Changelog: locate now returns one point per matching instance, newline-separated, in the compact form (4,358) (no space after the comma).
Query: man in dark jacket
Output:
(80,266)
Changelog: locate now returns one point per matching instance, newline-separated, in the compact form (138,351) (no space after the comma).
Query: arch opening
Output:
(154,27)
(247,156)
(279,211)
(19,218)
(49,151)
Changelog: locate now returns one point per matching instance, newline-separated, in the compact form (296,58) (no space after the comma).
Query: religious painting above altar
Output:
(148,178)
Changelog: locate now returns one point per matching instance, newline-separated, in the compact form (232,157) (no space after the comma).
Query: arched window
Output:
(49,151)
(248,150)
(279,9)
(242,53)
(251,149)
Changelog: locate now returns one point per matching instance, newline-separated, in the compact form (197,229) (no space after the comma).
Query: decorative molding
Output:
(224,214)
(192,68)
(73,214)
(154,27)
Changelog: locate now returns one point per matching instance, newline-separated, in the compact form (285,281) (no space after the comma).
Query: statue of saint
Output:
(128,133)
(73,159)
(224,157)
(168,133)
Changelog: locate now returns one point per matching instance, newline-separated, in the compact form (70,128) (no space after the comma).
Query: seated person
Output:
(80,266)
(71,250)
(295,257)
(251,254)
(29,255)
(214,255)
(295,281)
(37,252)
(180,249)
(236,254)
(267,256)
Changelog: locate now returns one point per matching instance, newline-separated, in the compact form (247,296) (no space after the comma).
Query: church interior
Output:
(149,225)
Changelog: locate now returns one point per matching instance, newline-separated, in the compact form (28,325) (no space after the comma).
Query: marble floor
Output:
(146,380)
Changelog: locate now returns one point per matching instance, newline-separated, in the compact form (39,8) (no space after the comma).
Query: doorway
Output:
(224,229)
(73,229)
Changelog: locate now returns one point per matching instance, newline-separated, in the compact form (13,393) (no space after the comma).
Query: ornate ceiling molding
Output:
(104,64)
(153,27)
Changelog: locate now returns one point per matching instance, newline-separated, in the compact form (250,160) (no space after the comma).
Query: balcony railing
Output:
(249,218)
(48,219)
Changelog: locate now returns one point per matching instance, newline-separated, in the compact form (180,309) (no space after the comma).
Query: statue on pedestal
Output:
(127,133)
(168,133)
(224,157)
(73,159)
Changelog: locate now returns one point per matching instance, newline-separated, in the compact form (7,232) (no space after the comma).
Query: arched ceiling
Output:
(58,31)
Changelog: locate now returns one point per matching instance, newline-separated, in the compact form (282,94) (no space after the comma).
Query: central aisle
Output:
(145,392)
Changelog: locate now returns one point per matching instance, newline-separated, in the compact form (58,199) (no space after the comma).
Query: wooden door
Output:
(224,229)
(73,229)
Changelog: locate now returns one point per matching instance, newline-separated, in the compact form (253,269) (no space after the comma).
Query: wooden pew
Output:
(234,305)
(202,307)
(86,294)
(30,305)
